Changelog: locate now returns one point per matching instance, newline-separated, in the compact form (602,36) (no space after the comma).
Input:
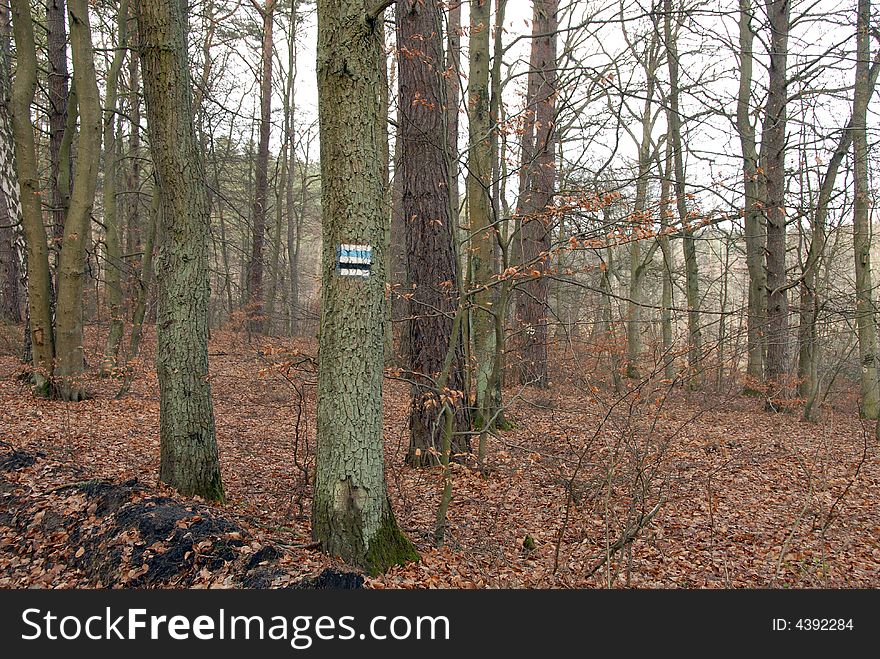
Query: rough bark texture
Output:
(114,264)
(261,175)
(755,234)
(57,91)
(39,283)
(189,459)
(428,229)
(866,312)
(773,157)
(351,513)
(537,216)
(71,267)
(480,221)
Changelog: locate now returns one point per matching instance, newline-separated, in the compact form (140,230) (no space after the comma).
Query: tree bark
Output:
(114,264)
(536,215)
(866,312)
(773,161)
(428,231)
(351,512)
(60,171)
(753,203)
(261,175)
(188,460)
(39,281)
(482,230)
(10,202)
(692,281)
(71,268)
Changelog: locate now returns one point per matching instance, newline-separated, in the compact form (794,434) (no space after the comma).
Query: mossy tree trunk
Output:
(866,311)
(189,460)
(38,280)
(351,513)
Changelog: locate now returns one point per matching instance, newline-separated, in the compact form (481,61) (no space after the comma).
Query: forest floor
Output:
(659,487)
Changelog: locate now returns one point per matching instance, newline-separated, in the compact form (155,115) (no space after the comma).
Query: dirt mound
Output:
(100,533)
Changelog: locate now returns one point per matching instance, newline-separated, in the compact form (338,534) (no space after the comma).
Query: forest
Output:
(408,294)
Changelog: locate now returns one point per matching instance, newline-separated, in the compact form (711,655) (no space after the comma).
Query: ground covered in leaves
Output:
(656,486)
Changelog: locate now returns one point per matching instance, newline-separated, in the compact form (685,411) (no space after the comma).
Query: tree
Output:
(481,225)
(754,195)
(351,512)
(61,127)
(71,266)
(773,163)
(866,313)
(536,200)
(39,284)
(113,270)
(10,203)
(692,283)
(189,460)
(432,270)
(261,182)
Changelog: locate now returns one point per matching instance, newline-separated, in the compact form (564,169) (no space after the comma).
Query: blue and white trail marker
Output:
(354,260)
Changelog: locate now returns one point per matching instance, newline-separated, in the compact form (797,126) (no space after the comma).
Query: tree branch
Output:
(378,8)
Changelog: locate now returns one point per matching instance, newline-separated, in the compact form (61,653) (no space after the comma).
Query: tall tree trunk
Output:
(428,231)
(638,264)
(773,161)
(59,153)
(667,284)
(71,268)
(38,281)
(537,216)
(351,512)
(146,278)
(133,171)
(188,460)
(453,98)
(692,282)
(866,312)
(755,235)
(482,230)
(10,202)
(261,175)
(114,265)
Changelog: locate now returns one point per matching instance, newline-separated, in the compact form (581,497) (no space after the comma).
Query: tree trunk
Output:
(773,160)
(537,216)
(755,235)
(866,313)
(428,231)
(188,460)
(114,265)
(482,230)
(38,281)
(10,202)
(351,513)
(59,153)
(71,268)
(261,175)
(692,281)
